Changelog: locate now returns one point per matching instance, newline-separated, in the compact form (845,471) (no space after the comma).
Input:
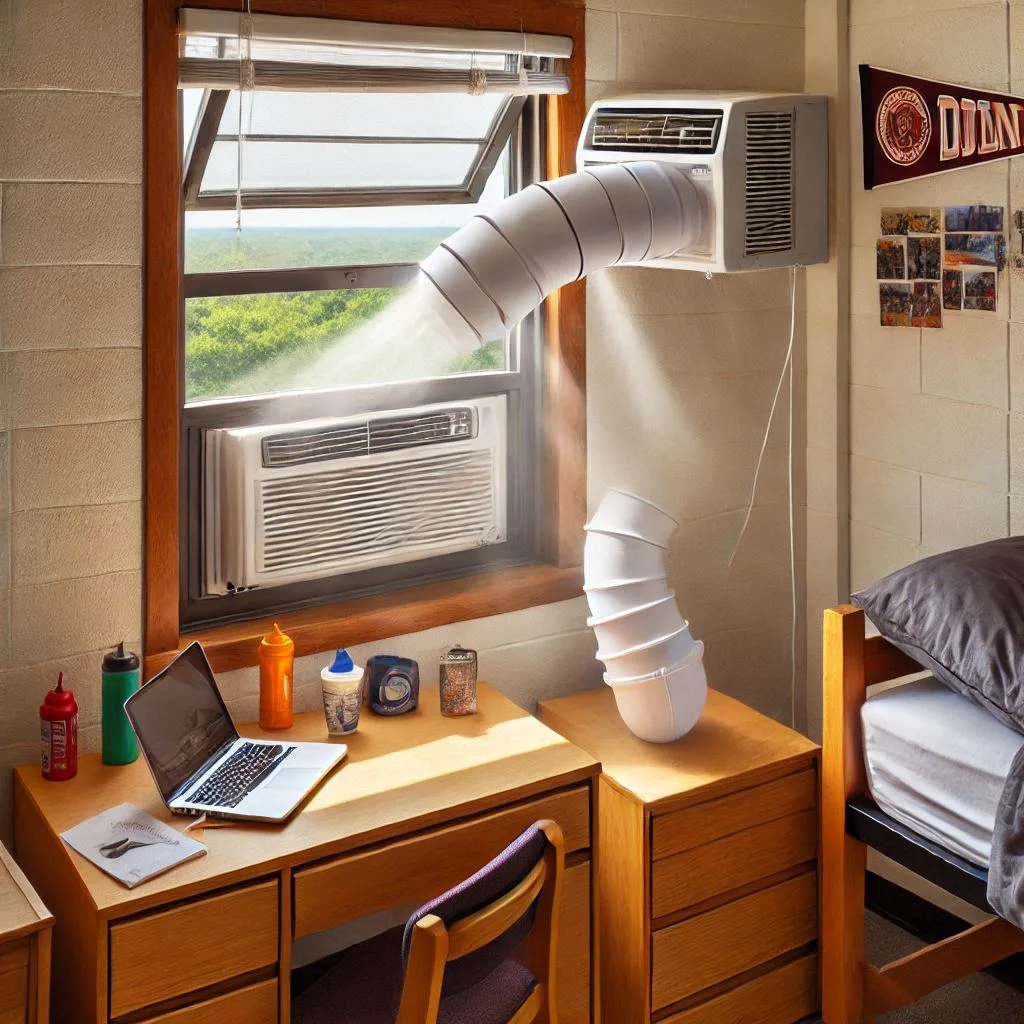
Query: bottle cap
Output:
(120,660)
(342,661)
(275,638)
(58,697)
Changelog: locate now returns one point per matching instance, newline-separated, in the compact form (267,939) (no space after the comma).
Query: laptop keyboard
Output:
(240,774)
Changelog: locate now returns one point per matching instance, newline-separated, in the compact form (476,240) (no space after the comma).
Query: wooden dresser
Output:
(706,865)
(25,930)
(420,803)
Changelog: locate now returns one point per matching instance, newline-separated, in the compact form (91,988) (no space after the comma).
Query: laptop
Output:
(199,762)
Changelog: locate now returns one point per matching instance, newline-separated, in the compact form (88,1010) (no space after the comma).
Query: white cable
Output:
(786,371)
(792,528)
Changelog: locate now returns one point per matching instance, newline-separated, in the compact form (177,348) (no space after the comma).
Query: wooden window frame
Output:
(558,577)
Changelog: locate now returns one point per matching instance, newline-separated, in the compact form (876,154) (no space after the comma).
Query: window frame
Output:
(562,443)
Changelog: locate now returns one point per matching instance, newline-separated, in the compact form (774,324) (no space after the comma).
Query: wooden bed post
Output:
(843,858)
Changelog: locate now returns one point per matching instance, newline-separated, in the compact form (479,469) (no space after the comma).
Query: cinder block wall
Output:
(936,431)
(680,376)
(681,369)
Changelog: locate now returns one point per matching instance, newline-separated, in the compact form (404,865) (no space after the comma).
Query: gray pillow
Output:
(961,615)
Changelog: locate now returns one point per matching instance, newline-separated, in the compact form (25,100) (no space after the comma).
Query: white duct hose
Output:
(487,276)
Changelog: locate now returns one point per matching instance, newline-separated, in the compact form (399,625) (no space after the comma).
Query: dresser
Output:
(420,803)
(25,930)
(706,865)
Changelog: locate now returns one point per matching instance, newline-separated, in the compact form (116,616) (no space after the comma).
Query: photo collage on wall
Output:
(932,260)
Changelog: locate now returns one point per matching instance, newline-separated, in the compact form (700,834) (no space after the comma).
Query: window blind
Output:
(222,49)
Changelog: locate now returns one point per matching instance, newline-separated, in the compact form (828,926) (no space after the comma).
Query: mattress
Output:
(937,763)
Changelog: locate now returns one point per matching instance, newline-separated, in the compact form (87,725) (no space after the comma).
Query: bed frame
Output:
(853,992)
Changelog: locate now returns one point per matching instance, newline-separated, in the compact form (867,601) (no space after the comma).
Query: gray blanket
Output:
(1006,868)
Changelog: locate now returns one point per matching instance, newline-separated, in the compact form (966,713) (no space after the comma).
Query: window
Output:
(333,446)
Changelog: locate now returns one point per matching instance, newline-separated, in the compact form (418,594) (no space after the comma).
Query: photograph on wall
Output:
(901,220)
(970,250)
(980,290)
(891,259)
(895,303)
(974,218)
(924,258)
(926,309)
(953,290)
(1001,256)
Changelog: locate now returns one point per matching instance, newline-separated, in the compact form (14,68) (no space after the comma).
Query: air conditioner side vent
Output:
(381,434)
(769,198)
(642,132)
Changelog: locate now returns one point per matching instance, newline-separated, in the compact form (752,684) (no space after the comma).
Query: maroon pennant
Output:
(914,127)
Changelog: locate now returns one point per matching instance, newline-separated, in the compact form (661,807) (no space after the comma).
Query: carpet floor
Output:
(979,999)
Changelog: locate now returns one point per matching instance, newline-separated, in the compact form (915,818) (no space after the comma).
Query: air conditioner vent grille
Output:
(381,434)
(359,516)
(656,131)
(769,182)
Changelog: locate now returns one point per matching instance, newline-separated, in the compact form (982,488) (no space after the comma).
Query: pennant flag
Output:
(914,127)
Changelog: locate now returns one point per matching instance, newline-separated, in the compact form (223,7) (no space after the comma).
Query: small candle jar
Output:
(458,682)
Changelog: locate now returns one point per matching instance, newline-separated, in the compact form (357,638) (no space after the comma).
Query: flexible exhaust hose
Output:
(494,270)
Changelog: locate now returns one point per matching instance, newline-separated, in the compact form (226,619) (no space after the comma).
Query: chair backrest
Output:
(456,940)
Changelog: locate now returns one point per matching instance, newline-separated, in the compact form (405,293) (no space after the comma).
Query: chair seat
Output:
(363,985)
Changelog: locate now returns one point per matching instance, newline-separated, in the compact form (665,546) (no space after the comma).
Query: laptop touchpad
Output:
(288,778)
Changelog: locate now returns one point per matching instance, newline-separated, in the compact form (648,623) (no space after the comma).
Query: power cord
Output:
(785,373)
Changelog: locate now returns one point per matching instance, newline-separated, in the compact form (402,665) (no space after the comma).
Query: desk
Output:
(419,803)
(707,889)
(24,948)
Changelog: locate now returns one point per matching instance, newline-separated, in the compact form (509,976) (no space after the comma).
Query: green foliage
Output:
(210,249)
(230,339)
(488,357)
(248,344)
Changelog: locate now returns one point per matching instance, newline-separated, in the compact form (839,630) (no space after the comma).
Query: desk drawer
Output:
(416,869)
(687,878)
(573,970)
(785,995)
(722,943)
(14,984)
(254,1004)
(168,953)
(705,822)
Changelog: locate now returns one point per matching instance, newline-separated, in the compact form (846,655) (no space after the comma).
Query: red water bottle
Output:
(59,729)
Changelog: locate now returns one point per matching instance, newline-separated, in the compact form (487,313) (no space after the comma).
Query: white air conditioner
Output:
(305,500)
(759,163)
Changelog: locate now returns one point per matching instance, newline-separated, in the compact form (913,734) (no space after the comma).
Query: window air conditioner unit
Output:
(758,162)
(305,500)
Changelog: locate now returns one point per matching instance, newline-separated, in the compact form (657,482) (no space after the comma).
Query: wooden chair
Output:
(854,992)
(481,953)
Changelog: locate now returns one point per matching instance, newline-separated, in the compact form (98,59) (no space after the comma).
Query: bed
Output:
(940,832)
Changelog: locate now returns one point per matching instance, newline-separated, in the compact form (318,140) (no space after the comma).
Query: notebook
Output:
(131,845)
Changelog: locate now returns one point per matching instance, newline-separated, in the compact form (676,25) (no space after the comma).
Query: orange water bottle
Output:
(277,657)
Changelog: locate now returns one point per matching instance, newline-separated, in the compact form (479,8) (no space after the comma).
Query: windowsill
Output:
(366,619)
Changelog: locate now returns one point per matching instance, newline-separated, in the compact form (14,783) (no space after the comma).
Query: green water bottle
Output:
(120,681)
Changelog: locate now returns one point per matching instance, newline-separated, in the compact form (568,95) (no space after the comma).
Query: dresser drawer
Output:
(254,1004)
(161,955)
(14,984)
(687,878)
(784,995)
(717,945)
(417,869)
(705,822)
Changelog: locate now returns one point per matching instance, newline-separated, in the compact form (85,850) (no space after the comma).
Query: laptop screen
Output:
(180,719)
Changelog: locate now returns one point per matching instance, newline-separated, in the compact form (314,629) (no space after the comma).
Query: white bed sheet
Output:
(937,763)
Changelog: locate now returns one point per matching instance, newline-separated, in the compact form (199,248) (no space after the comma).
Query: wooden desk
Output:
(419,803)
(707,890)
(25,926)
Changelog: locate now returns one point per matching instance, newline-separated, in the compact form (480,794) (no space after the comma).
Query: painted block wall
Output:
(936,431)
(680,375)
